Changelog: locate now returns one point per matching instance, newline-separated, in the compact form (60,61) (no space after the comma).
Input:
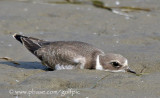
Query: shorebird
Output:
(59,55)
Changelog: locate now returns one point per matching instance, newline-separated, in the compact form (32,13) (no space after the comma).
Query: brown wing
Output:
(52,56)
(66,53)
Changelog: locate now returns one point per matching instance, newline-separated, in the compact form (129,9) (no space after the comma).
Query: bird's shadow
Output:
(26,65)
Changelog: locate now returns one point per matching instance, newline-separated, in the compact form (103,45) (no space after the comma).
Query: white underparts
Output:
(81,61)
(62,67)
(98,65)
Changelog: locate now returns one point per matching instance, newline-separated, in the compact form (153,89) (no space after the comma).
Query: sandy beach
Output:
(134,34)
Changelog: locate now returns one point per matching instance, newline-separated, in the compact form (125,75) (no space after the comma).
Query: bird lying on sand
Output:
(61,55)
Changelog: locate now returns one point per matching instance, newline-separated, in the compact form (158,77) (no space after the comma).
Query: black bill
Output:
(131,71)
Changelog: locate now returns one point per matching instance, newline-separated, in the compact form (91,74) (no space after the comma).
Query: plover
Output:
(59,55)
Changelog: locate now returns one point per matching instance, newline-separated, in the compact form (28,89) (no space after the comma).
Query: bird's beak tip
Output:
(131,71)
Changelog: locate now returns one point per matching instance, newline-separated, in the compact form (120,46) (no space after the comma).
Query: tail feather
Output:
(18,37)
(32,44)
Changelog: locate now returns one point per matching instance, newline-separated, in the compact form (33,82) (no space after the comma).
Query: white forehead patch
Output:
(126,63)
(62,67)
(98,65)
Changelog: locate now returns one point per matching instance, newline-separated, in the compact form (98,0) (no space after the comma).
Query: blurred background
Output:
(127,27)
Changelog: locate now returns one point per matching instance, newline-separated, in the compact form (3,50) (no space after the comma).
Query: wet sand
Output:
(137,38)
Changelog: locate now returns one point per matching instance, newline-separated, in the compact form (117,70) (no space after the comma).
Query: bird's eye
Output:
(115,64)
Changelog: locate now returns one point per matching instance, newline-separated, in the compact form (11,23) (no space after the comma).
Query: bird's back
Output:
(81,48)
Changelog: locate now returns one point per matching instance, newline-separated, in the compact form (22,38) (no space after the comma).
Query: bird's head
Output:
(114,63)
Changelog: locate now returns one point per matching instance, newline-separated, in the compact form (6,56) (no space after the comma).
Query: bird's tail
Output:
(32,44)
